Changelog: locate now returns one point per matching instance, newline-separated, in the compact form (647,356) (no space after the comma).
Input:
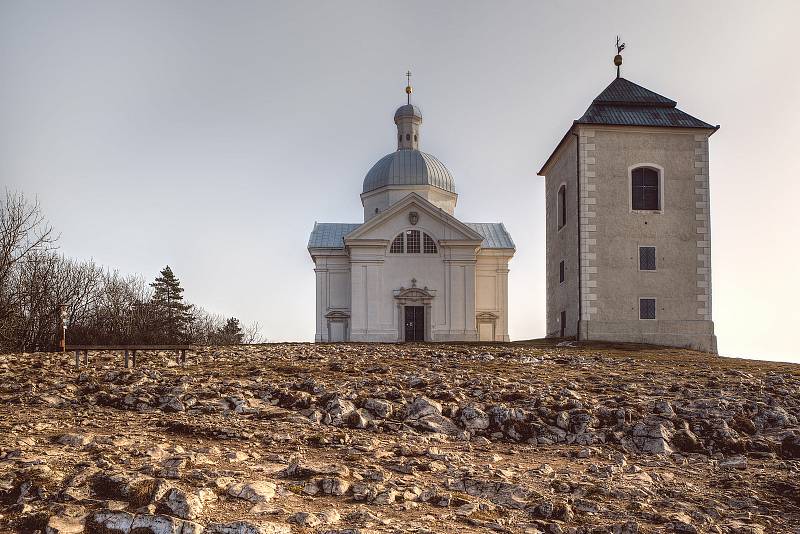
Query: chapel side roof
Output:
(624,103)
(330,235)
(494,235)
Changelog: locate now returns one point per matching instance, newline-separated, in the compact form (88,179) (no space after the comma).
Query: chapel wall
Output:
(332,273)
(376,273)
(491,289)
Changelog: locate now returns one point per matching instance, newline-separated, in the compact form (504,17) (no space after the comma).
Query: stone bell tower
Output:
(628,222)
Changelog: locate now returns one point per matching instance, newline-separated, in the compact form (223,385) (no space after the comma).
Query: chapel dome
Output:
(409,167)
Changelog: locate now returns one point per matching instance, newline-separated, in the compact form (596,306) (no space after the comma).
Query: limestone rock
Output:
(64,525)
(578,439)
(790,446)
(473,419)
(422,407)
(378,407)
(109,522)
(181,504)
(245,527)
(254,491)
(74,440)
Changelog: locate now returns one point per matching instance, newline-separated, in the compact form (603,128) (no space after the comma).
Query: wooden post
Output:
(126,358)
(86,357)
(134,358)
(177,356)
(77,360)
(183,356)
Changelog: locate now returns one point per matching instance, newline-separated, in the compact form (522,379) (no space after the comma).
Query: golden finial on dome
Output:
(409,90)
(618,57)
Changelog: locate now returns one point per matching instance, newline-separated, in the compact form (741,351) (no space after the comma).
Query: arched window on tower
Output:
(645,189)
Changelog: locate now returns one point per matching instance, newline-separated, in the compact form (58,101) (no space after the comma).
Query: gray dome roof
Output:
(409,167)
(409,110)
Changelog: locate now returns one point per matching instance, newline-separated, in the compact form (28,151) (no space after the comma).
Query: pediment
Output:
(414,293)
(429,218)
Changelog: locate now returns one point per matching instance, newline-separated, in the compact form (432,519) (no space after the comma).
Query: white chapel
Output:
(411,271)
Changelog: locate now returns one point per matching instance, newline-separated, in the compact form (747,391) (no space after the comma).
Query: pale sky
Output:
(211,135)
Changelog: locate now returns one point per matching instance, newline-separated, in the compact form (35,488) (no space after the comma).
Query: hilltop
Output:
(523,437)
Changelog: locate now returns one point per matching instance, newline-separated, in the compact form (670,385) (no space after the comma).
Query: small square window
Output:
(647,308)
(647,258)
(561,272)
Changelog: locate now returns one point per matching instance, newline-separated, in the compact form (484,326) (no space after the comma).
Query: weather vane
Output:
(618,57)
(409,90)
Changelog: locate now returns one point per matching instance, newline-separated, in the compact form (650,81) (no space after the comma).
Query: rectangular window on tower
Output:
(647,258)
(647,308)
(561,206)
(561,272)
(412,242)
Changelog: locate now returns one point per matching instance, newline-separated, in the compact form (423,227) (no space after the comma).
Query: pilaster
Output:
(588,224)
(703,227)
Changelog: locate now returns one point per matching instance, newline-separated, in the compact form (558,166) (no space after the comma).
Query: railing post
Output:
(126,358)
(86,357)
(134,358)
(77,360)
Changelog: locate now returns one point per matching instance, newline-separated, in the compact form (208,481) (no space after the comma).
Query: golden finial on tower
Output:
(409,90)
(618,57)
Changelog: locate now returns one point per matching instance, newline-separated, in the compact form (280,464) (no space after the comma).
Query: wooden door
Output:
(415,323)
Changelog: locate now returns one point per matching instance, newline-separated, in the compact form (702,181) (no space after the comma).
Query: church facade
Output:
(411,271)
(628,254)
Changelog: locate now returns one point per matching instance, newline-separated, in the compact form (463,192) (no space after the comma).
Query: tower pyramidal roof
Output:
(624,103)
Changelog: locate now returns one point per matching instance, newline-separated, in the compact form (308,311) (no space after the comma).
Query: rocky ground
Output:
(529,437)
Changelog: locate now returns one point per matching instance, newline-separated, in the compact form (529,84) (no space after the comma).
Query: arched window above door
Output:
(413,242)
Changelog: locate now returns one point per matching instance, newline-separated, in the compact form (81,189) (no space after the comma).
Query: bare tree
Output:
(103,307)
(23,230)
(252,334)
(23,233)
